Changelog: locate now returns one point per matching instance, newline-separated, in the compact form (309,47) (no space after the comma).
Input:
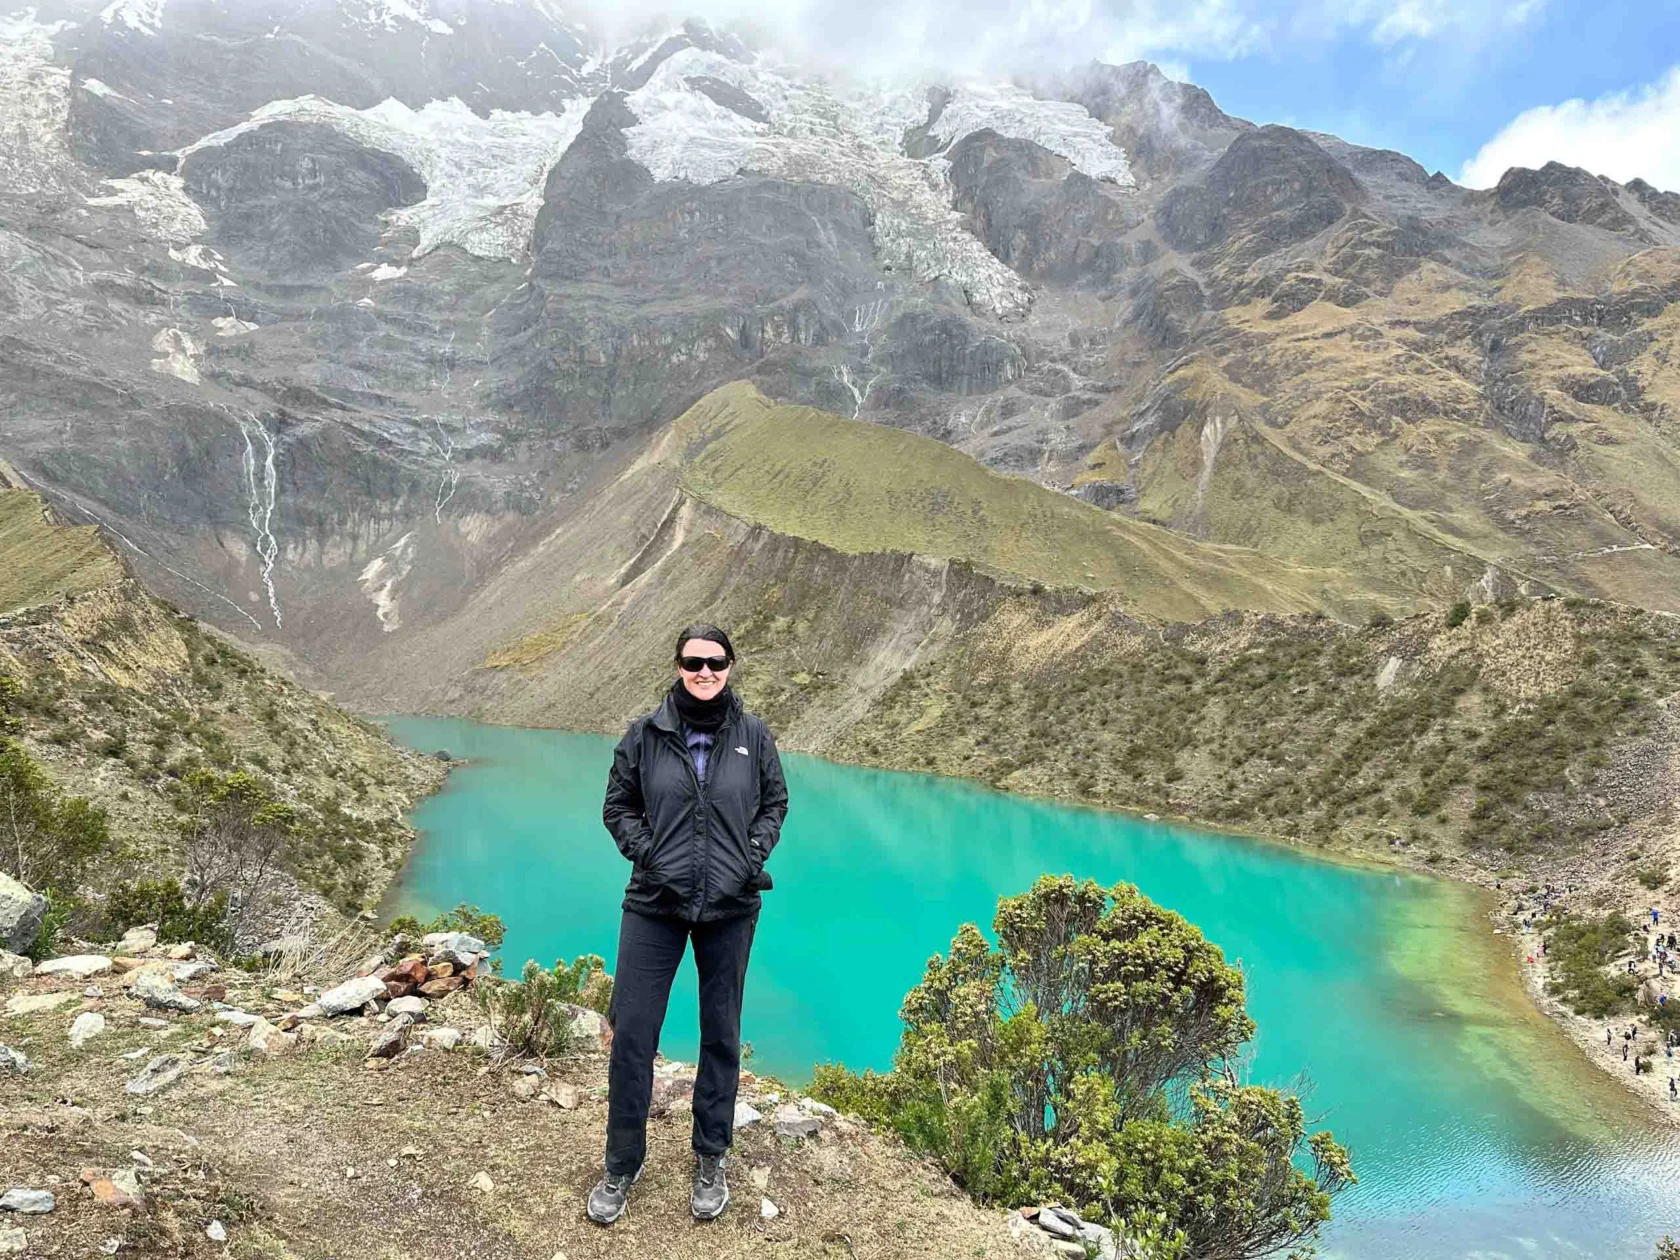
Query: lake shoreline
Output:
(1582,1033)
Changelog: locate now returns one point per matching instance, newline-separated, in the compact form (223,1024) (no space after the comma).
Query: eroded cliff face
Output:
(331,319)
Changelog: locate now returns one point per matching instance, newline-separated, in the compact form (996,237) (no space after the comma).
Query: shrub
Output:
(1087,1057)
(1379,620)
(47,839)
(1652,877)
(1458,614)
(161,901)
(531,1016)
(237,835)
(488,927)
(1580,948)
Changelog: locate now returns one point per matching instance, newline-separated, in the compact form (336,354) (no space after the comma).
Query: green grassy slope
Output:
(861,487)
(40,561)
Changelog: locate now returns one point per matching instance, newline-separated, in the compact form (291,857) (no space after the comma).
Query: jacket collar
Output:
(666,718)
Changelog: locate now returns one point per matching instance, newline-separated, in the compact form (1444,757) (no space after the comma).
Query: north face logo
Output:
(742,751)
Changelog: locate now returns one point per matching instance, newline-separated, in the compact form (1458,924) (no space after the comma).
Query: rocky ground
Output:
(156,1130)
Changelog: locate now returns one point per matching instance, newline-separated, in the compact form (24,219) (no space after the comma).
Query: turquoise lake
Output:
(1477,1130)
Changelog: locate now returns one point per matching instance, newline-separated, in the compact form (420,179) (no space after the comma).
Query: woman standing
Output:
(695,799)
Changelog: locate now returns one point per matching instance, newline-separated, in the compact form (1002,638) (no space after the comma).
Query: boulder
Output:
(393,1040)
(589,1029)
(460,948)
(15,966)
(440,1038)
(791,1122)
(441,987)
(137,940)
(85,1027)
(264,1038)
(746,1115)
(120,1190)
(158,991)
(32,1003)
(415,1007)
(352,995)
(160,1073)
(80,966)
(27,1202)
(21,914)
(13,1062)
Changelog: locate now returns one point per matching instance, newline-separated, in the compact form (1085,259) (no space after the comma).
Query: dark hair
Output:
(711,634)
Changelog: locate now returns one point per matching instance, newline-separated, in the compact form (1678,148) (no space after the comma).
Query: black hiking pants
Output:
(649,951)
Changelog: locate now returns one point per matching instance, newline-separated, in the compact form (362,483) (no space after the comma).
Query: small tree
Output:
(532,1016)
(1087,1056)
(236,835)
(46,839)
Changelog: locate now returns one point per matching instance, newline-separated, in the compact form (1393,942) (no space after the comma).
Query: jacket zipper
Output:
(700,787)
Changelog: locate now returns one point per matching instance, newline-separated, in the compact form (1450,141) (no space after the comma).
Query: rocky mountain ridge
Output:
(331,314)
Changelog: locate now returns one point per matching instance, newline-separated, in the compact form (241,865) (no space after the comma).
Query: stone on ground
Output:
(216,1232)
(352,995)
(21,915)
(137,940)
(13,1062)
(33,1003)
(526,1088)
(589,1029)
(411,1006)
(121,1189)
(481,1182)
(460,948)
(158,991)
(12,1240)
(27,1202)
(160,1073)
(393,1040)
(746,1114)
(565,1097)
(152,1022)
(15,966)
(265,1038)
(80,966)
(85,1027)
(791,1122)
(440,1038)
(759,1174)
(768,1210)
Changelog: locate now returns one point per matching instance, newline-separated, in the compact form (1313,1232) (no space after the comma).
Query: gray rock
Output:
(27,1202)
(239,1019)
(15,966)
(794,1123)
(265,1038)
(352,995)
(13,1062)
(811,1107)
(223,1063)
(746,1115)
(152,1022)
(440,1038)
(12,1240)
(35,1003)
(81,966)
(216,1232)
(137,940)
(158,991)
(21,914)
(160,1073)
(1051,1223)
(461,948)
(93,991)
(393,1040)
(85,1027)
(414,1007)
(188,971)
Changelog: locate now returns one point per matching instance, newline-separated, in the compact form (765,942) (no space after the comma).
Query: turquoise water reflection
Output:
(1476,1129)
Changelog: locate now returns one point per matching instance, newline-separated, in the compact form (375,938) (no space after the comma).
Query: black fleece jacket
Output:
(695,845)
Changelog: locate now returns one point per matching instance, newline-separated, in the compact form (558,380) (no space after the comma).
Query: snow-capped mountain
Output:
(328,307)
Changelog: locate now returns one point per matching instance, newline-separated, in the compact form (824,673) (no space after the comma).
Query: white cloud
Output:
(1625,135)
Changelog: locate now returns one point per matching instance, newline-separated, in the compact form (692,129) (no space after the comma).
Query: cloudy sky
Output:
(1465,86)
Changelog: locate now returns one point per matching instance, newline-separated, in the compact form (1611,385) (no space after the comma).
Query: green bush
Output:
(1458,614)
(489,928)
(47,839)
(162,902)
(531,1015)
(1652,877)
(1087,1057)
(1579,949)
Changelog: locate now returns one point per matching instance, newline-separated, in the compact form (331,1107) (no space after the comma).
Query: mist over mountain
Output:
(337,315)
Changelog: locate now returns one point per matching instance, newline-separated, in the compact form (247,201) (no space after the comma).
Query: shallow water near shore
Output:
(1476,1128)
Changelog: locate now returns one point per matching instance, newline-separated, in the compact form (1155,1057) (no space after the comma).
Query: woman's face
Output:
(709,679)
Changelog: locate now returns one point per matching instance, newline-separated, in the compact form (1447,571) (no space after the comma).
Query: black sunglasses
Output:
(694,664)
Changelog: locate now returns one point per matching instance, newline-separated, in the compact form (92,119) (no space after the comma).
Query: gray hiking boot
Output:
(606,1200)
(711,1189)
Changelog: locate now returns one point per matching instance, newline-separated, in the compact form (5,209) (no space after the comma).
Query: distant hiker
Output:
(1624,1051)
(695,799)
(1672,1091)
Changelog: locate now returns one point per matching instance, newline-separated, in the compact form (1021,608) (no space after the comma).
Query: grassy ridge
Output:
(40,561)
(861,487)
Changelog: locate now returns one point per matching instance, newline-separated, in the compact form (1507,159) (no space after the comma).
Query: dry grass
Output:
(40,561)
